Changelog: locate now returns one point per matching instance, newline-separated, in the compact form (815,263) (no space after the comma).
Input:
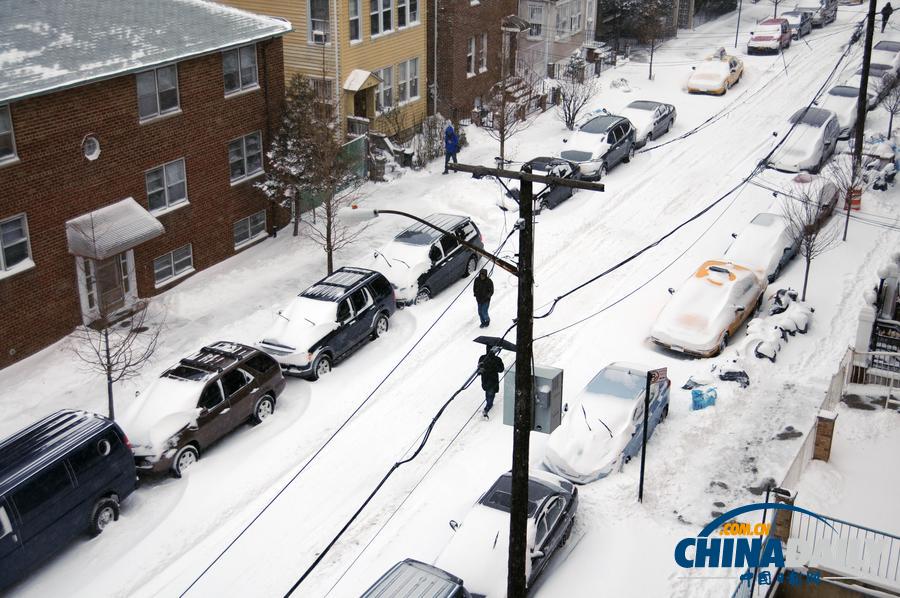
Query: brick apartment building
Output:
(469,50)
(130,137)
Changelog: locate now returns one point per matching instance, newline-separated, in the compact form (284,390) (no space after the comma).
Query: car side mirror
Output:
(536,554)
(671,291)
(565,140)
(751,33)
(739,308)
(734,235)
(566,408)
(693,68)
(733,70)
(137,393)
(454,525)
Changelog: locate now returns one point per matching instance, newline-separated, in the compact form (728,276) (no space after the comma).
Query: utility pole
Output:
(524,396)
(862,106)
(737,29)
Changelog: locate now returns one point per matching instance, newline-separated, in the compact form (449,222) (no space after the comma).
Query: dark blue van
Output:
(59,478)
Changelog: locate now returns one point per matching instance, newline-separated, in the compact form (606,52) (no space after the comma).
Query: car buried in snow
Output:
(709,307)
(600,144)
(770,36)
(650,119)
(545,196)
(812,135)
(887,52)
(719,73)
(330,320)
(841,100)
(197,401)
(479,550)
(603,426)
(765,246)
(421,262)
(882,78)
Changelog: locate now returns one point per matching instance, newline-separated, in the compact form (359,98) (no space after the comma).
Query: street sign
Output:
(657,375)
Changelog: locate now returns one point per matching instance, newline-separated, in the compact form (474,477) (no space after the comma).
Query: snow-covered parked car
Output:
(479,550)
(770,36)
(882,78)
(604,425)
(719,73)
(599,144)
(812,136)
(710,307)
(650,119)
(197,401)
(330,320)
(799,21)
(765,245)
(818,188)
(421,262)
(887,52)
(823,11)
(408,579)
(841,100)
(545,196)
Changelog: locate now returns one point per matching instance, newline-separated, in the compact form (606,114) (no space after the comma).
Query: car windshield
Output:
(599,125)
(576,156)
(185,372)
(814,117)
(500,495)
(768,30)
(792,17)
(617,382)
(888,46)
(643,105)
(844,91)
(713,68)
(766,219)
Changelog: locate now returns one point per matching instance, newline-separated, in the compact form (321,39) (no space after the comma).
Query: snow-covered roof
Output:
(358,78)
(112,229)
(422,234)
(47,45)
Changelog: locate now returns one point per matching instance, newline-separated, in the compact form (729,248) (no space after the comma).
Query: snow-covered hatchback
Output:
(197,401)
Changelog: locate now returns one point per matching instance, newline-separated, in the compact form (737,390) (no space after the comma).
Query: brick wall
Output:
(53,182)
(459,20)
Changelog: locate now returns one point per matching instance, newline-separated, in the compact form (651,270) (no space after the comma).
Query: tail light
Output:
(126,441)
(482,238)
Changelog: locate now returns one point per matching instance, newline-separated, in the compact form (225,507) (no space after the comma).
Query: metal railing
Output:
(886,341)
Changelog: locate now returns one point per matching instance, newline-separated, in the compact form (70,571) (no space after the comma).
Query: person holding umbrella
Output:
(490,366)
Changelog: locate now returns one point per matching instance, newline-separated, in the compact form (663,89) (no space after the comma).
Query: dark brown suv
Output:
(199,400)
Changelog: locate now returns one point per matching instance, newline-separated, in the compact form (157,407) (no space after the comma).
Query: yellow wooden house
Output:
(366,57)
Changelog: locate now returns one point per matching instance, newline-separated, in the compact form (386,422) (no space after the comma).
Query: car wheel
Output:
(669,126)
(567,533)
(543,206)
(265,407)
(106,510)
(775,274)
(630,154)
(723,343)
(601,174)
(422,296)
(471,266)
(321,367)
(381,326)
(649,138)
(184,459)
(665,413)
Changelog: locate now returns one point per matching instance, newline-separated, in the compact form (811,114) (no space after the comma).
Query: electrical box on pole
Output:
(546,404)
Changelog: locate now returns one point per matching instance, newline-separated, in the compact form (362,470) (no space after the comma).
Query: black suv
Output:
(421,262)
(329,320)
(599,144)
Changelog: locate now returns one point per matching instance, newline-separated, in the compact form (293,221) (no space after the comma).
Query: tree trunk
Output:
(109,390)
(890,124)
(329,234)
(296,213)
(806,278)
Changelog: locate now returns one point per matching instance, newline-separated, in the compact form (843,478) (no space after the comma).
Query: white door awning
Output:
(360,79)
(111,230)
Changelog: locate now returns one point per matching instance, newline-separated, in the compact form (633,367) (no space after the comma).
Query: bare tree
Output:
(574,95)
(120,339)
(892,105)
(506,112)
(394,122)
(840,171)
(806,213)
(337,185)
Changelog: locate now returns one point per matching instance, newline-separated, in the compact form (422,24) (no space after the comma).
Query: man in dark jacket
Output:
(451,146)
(483,289)
(886,12)
(490,367)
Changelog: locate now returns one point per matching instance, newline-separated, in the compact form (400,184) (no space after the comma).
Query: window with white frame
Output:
(380,16)
(384,95)
(408,80)
(535,19)
(355,30)
(401,14)
(318,21)
(173,264)
(470,57)
(7,140)
(575,18)
(166,185)
(245,156)
(14,246)
(157,91)
(413,12)
(482,53)
(249,229)
(240,69)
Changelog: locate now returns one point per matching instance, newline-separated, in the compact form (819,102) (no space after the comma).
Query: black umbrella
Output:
(496,341)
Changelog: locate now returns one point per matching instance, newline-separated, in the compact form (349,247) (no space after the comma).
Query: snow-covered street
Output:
(261,504)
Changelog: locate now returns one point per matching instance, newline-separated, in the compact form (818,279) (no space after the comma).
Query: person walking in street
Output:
(483,289)
(451,146)
(490,367)
(886,11)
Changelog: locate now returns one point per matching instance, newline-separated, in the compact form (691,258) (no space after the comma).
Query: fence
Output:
(886,340)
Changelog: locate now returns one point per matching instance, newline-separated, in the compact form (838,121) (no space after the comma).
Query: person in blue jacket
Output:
(451,146)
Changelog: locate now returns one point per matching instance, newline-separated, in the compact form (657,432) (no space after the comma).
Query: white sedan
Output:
(765,245)
(650,119)
(604,425)
(812,134)
(710,307)
(887,52)
(841,100)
